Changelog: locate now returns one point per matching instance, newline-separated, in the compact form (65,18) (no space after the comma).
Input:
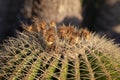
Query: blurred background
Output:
(101,16)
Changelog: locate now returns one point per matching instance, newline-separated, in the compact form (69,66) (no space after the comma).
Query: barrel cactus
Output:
(28,57)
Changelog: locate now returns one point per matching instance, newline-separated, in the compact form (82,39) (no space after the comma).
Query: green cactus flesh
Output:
(26,59)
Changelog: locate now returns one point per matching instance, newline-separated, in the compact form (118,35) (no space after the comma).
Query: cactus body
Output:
(29,58)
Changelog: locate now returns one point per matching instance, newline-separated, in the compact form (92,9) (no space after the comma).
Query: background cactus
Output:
(27,57)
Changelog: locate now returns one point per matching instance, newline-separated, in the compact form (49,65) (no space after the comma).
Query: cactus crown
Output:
(47,52)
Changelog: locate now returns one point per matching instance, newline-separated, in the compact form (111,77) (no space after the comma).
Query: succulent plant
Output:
(27,57)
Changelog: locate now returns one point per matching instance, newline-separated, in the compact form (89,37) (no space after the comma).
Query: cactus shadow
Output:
(109,21)
(73,21)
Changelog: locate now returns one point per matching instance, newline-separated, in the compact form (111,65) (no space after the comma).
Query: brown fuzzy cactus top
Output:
(51,32)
